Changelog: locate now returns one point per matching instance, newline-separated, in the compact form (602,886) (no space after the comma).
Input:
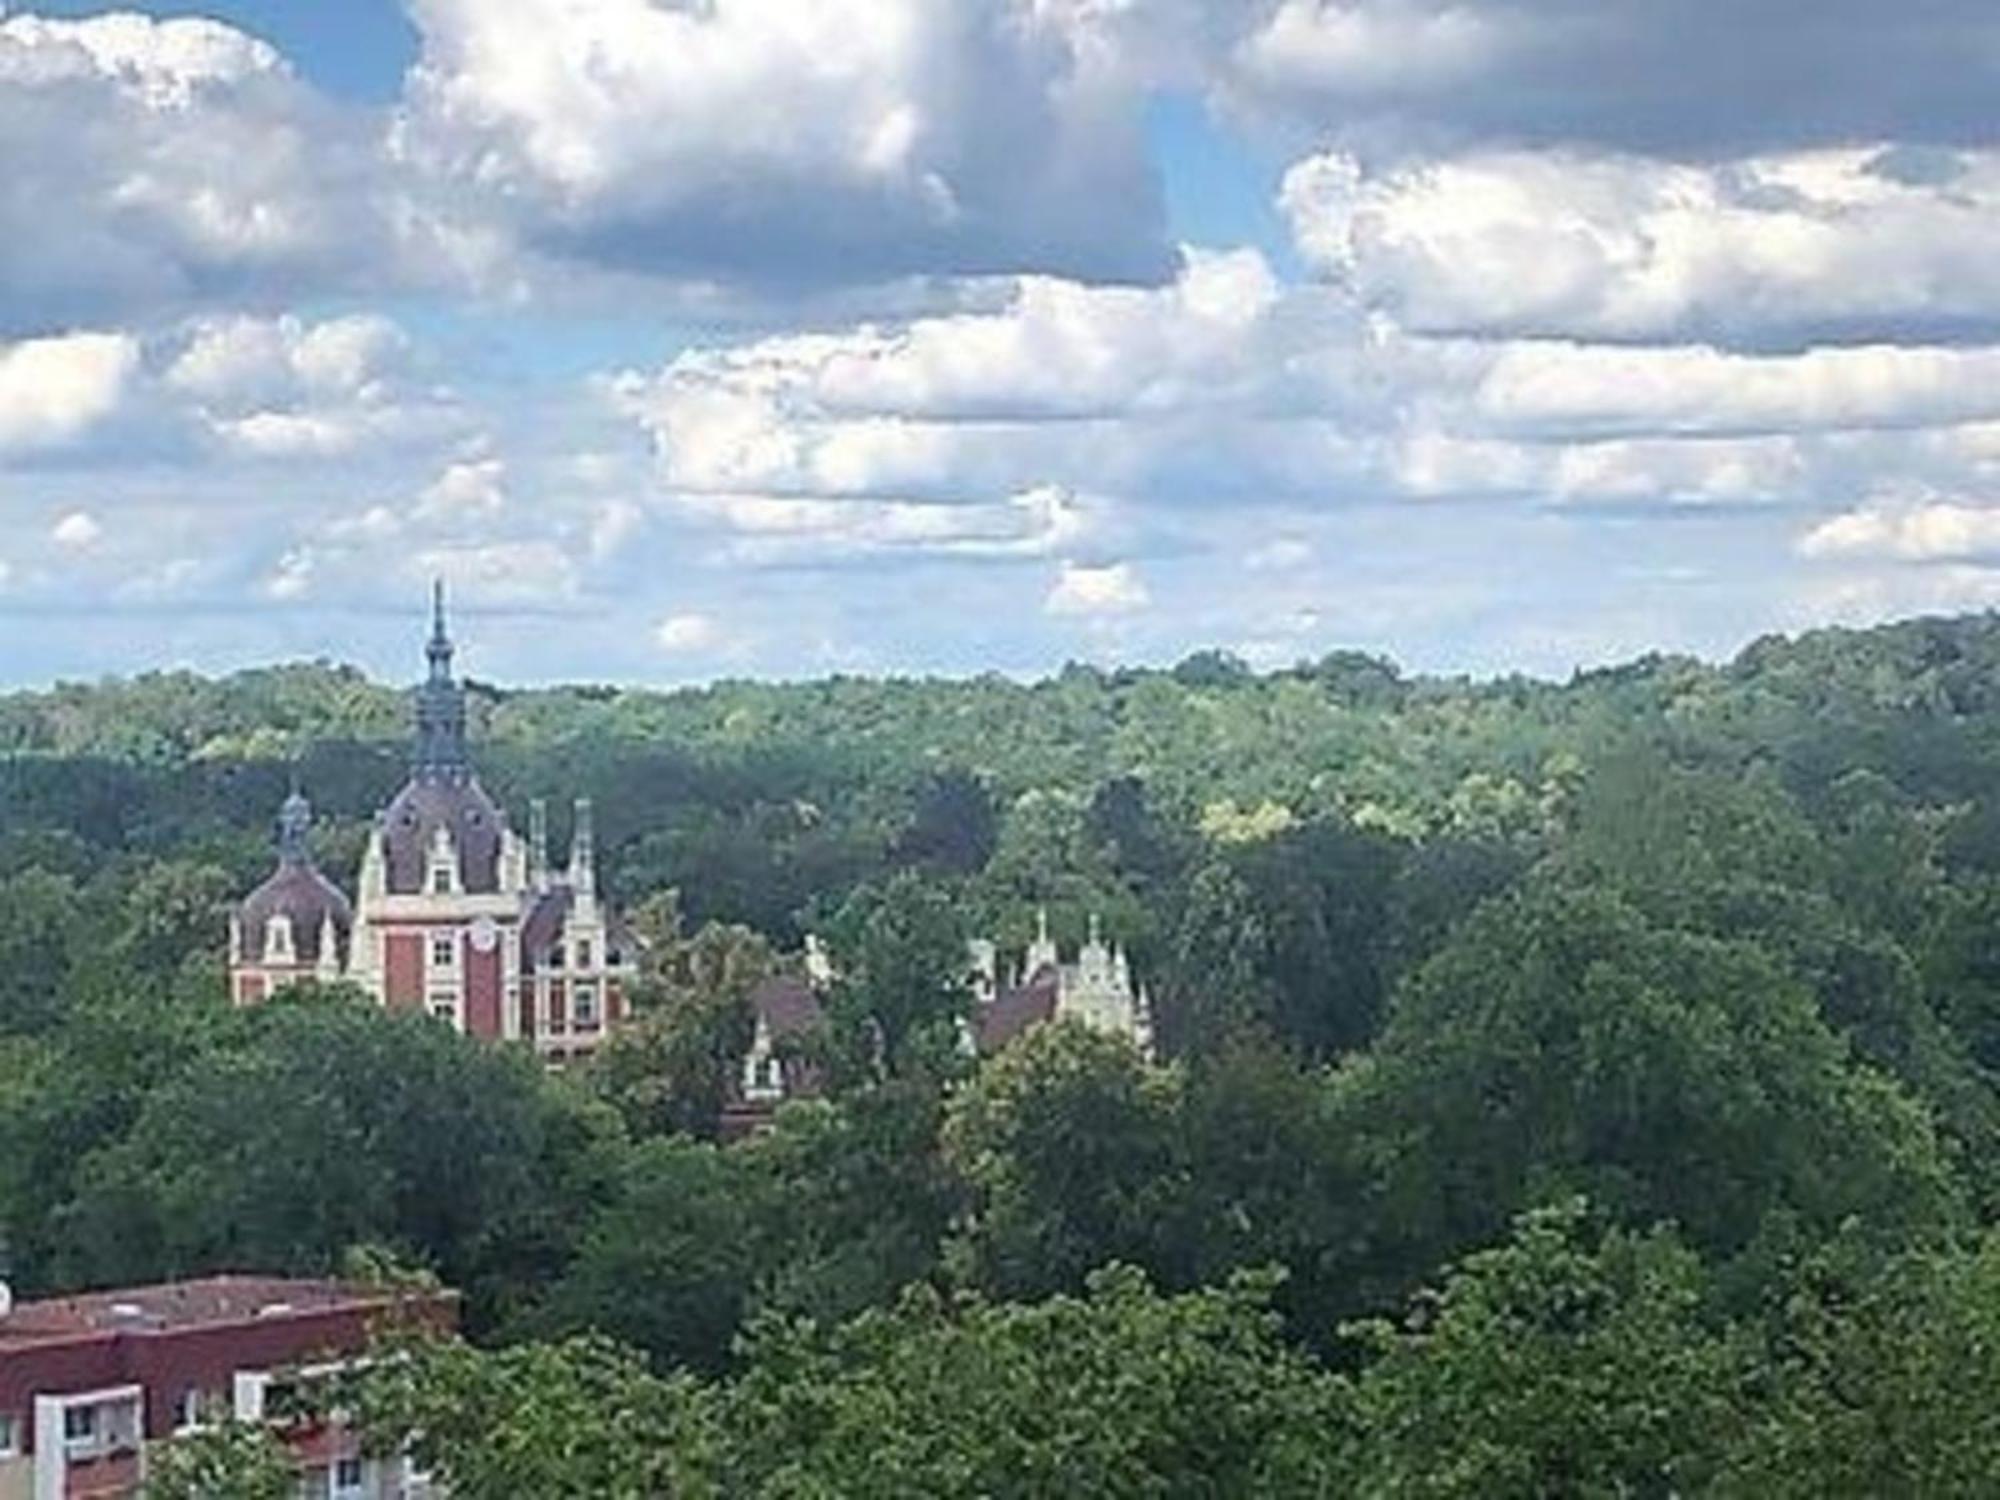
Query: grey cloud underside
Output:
(1685,78)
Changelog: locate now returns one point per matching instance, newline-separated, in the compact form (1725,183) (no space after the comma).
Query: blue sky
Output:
(947,335)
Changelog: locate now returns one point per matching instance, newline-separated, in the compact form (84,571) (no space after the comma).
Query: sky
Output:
(689,339)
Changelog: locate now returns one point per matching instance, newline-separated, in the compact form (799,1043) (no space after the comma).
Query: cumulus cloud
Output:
(287,387)
(1620,247)
(76,531)
(1925,530)
(852,140)
(1056,388)
(160,163)
(53,390)
(1086,591)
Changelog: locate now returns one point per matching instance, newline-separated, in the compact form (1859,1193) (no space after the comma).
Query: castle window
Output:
(444,1006)
(583,953)
(556,956)
(441,880)
(585,1005)
(444,952)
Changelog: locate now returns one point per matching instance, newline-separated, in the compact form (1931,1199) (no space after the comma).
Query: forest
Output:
(1575,1089)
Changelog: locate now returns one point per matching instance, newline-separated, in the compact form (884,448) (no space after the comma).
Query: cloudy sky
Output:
(691,338)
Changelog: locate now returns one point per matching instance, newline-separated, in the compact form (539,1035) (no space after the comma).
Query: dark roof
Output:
(786,1004)
(411,822)
(300,892)
(545,920)
(1016,1010)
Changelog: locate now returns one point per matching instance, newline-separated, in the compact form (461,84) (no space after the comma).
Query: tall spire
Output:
(439,648)
(440,752)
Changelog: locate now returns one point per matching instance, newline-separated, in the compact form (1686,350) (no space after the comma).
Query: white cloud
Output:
(76,531)
(1112,589)
(687,633)
(1570,388)
(240,361)
(1376,48)
(285,387)
(155,163)
(1598,246)
(1925,530)
(848,140)
(53,390)
(466,492)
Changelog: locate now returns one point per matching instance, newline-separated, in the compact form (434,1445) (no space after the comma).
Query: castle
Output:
(458,915)
(1097,990)
(455,913)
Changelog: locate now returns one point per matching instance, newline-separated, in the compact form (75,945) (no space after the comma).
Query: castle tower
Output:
(457,915)
(294,926)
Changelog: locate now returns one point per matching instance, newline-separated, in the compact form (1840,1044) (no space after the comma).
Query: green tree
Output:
(1561,1041)
(1067,1141)
(318,1122)
(672,1069)
(903,991)
(1553,1365)
(240,1460)
(666,1265)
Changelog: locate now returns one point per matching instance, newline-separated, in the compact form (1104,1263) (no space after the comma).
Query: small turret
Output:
(538,844)
(583,851)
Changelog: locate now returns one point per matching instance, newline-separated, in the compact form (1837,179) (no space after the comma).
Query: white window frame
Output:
(444,950)
(191,1410)
(443,1005)
(10,1434)
(581,1015)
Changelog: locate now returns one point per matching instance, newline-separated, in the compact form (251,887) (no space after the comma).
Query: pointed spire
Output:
(440,752)
(439,649)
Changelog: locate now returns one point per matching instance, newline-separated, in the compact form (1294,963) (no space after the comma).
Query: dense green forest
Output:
(1568,1089)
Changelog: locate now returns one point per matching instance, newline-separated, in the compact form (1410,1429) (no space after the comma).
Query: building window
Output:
(444,1006)
(347,1477)
(188,1411)
(585,1005)
(10,1435)
(556,956)
(583,953)
(441,880)
(444,951)
(79,1427)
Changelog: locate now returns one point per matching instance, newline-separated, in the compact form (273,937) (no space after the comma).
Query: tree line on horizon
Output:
(1579,1088)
